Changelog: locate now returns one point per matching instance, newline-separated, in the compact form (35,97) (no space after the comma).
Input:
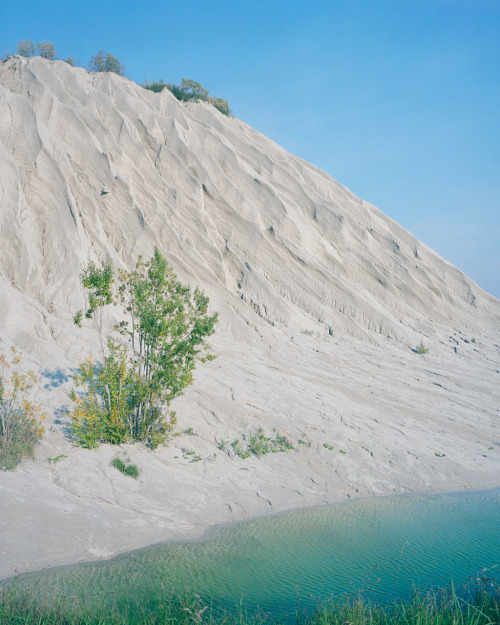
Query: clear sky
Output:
(399,100)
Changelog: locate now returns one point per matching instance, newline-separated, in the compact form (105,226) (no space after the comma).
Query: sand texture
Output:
(322,300)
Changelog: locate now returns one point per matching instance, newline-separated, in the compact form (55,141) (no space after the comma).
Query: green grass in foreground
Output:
(442,607)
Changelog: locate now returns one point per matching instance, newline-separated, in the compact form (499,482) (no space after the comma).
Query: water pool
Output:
(381,546)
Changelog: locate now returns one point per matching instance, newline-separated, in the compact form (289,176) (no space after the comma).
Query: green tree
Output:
(166,326)
(193,90)
(105,62)
(70,60)
(25,48)
(46,50)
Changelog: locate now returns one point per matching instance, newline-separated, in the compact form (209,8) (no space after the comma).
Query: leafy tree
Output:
(70,60)
(105,62)
(46,50)
(25,48)
(192,90)
(165,324)
(20,419)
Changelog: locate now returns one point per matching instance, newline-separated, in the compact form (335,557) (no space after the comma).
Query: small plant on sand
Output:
(150,358)
(56,459)
(258,444)
(127,469)
(20,419)
(422,349)
(328,446)
(439,455)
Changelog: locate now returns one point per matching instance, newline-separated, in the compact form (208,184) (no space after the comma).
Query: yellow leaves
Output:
(21,422)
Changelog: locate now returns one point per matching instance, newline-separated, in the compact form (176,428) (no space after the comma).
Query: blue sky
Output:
(399,100)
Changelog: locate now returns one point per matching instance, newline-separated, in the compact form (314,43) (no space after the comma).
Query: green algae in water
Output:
(381,547)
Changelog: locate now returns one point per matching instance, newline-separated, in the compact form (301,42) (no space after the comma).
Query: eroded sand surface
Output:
(321,300)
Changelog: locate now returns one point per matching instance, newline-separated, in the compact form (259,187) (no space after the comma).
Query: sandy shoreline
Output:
(209,532)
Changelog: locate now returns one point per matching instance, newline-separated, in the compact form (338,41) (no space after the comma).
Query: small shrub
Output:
(20,419)
(56,459)
(422,349)
(190,90)
(259,444)
(190,454)
(127,469)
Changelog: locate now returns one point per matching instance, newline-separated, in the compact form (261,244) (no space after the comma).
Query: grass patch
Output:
(440,607)
(258,444)
(127,469)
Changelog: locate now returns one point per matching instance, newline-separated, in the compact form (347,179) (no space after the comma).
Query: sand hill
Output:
(322,299)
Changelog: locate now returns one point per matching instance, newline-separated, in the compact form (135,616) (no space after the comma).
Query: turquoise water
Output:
(381,546)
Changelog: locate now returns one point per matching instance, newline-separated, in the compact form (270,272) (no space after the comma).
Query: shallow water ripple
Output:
(381,547)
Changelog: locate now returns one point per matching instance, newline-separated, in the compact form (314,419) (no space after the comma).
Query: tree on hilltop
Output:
(46,50)
(25,48)
(105,62)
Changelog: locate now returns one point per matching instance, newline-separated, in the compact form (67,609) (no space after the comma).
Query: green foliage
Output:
(46,50)
(102,412)
(221,105)
(422,349)
(105,62)
(472,606)
(25,48)
(56,459)
(70,60)
(258,444)
(127,469)
(327,446)
(127,396)
(191,455)
(20,419)
(190,90)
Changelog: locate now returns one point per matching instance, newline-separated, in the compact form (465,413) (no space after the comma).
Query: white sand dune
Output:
(321,299)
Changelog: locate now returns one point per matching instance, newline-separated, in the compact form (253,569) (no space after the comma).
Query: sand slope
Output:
(321,299)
